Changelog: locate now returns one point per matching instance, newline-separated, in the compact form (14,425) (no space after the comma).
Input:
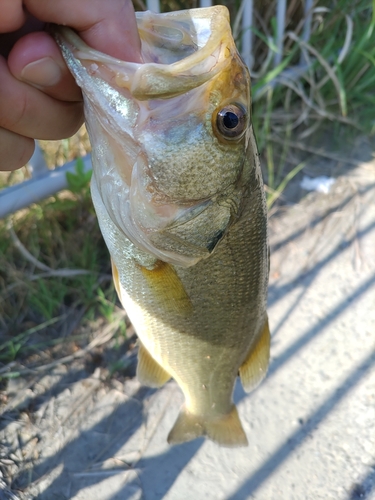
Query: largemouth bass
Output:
(178,191)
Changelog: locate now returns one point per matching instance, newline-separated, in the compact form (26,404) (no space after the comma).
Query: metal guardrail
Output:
(45,182)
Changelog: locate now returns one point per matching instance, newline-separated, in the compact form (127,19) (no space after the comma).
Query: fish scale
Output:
(179,197)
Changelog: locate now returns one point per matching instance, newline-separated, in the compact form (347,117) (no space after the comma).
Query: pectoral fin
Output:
(254,368)
(149,372)
(225,430)
(167,288)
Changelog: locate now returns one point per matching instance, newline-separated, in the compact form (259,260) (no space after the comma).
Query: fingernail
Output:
(42,73)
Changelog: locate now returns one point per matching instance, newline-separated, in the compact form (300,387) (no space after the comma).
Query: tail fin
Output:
(226,430)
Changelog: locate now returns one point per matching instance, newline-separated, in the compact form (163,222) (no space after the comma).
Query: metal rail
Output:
(45,182)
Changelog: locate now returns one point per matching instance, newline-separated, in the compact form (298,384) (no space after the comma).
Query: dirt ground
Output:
(73,434)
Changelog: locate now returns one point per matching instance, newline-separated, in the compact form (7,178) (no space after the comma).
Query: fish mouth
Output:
(180,50)
(182,53)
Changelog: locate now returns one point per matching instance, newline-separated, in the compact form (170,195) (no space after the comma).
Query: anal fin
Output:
(254,368)
(149,372)
(225,430)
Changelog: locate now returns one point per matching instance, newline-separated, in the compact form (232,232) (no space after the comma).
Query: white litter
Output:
(321,184)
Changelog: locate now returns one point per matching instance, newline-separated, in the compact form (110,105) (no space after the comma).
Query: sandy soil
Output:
(69,434)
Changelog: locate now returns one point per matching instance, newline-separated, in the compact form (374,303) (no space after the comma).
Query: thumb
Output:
(109,26)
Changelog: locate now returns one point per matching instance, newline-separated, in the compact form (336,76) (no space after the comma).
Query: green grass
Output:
(54,267)
(337,91)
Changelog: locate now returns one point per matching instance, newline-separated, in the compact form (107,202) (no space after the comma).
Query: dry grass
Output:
(55,276)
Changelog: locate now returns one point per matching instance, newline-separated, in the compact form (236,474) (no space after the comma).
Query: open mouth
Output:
(183,44)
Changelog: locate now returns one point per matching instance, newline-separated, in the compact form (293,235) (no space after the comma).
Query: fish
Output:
(178,192)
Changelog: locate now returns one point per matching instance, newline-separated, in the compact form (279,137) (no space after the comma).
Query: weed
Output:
(54,267)
(291,103)
(78,182)
(106,307)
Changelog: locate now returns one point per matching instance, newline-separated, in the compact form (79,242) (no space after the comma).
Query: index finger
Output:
(108,26)
(12,15)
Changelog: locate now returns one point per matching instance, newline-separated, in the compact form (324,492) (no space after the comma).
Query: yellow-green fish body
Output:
(178,192)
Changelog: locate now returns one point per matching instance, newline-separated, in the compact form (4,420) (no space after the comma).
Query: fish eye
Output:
(231,121)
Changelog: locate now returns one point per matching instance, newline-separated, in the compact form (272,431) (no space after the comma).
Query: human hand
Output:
(38,96)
